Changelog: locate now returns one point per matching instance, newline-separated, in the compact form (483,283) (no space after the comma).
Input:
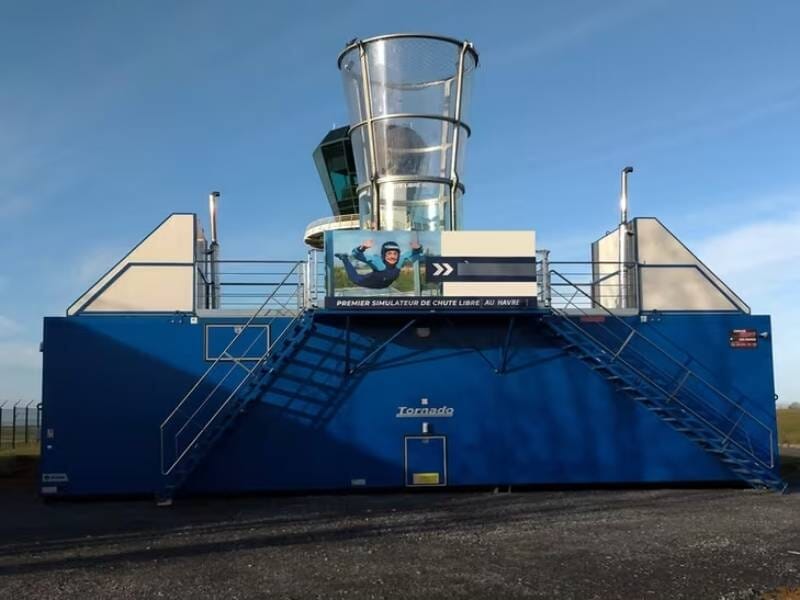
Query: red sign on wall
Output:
(744,338)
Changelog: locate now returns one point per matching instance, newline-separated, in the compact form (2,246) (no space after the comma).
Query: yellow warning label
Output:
(426,479)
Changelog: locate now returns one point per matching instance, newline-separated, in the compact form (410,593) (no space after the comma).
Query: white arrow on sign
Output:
(443,269)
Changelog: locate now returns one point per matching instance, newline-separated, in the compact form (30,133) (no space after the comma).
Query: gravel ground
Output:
(720,543)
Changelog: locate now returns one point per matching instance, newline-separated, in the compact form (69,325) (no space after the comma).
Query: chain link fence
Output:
(20,423)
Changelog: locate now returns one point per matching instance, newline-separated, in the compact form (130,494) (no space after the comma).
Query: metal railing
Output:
(324,224)
(599,282)
(193,415)
(602,288)
(243,284)
(20,423)
(661,370)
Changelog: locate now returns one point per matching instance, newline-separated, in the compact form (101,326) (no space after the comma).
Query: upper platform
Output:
(170,271)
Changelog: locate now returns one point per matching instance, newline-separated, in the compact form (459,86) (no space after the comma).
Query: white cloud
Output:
(91,266)
(768,248)
(759,261)
(575,32)
(8,327)
(20,355)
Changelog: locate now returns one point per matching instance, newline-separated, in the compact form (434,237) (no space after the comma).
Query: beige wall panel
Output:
(488,288)
(607,249)
(167,288)
(489,243)
(173,241)
(657,246)
(680,289)
(500,244)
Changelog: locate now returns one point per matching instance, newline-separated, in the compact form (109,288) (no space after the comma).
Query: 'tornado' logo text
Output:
(425,411)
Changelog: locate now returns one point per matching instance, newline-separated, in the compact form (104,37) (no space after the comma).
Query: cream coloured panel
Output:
(606,257)
(164,288)
(683,288)
(489,244)
(607,248)
(172,242)
(657,246)
(490,288)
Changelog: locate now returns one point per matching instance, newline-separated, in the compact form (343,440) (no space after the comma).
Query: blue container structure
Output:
(473,365)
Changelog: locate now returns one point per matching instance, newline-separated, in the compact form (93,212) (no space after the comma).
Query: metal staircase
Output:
(230,384)
(196,424)
(655,378)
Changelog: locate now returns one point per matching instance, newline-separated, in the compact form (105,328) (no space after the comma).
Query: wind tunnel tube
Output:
(408,97)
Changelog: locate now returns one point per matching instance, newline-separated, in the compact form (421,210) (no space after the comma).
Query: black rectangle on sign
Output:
(744,338)
(480,268)
(430,303)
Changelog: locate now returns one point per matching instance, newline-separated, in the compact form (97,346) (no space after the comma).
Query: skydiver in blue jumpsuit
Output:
(385,268)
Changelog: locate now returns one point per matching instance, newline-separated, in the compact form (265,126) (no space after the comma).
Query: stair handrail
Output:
(232,368)
(689,372)
(233,393)
(221,357)
(727,436)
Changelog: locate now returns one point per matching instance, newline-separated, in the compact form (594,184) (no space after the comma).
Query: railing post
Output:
(14,425)
(309,279)
(301,285)
(316,277)
(39,422)
(680,381)
(27,406)
(546,293)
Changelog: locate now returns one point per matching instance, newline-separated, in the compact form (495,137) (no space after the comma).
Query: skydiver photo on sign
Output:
(385,266)
(386,263)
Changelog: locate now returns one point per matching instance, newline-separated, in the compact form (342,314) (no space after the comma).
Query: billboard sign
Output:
(408,270)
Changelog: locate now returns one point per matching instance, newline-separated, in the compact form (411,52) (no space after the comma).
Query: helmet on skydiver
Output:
(389,246)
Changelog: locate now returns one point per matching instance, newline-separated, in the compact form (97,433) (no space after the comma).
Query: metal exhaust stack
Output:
(213,250)
(624,231)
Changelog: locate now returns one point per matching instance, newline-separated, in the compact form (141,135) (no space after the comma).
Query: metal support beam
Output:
(622,347)
(506,345)
(347,344)
(382,346)
(727,438)
(680,385)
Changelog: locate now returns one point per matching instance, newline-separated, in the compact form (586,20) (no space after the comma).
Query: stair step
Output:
(643,381)
(226,418)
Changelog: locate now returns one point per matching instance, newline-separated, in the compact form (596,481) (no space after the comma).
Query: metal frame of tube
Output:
(366,85)
(454,160)
(375,181)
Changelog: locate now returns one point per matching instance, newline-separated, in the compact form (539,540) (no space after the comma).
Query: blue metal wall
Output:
(548,419)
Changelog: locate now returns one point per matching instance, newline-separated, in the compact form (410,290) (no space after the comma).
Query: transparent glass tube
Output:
(407,95)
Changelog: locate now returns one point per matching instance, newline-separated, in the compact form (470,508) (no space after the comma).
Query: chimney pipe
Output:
(213,199)
(624,230)
(213,253)
(623,197)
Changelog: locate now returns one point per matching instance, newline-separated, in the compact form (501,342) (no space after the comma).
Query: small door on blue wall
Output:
(251,344)
(426,460)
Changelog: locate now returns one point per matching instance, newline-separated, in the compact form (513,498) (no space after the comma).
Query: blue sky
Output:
(114,114)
